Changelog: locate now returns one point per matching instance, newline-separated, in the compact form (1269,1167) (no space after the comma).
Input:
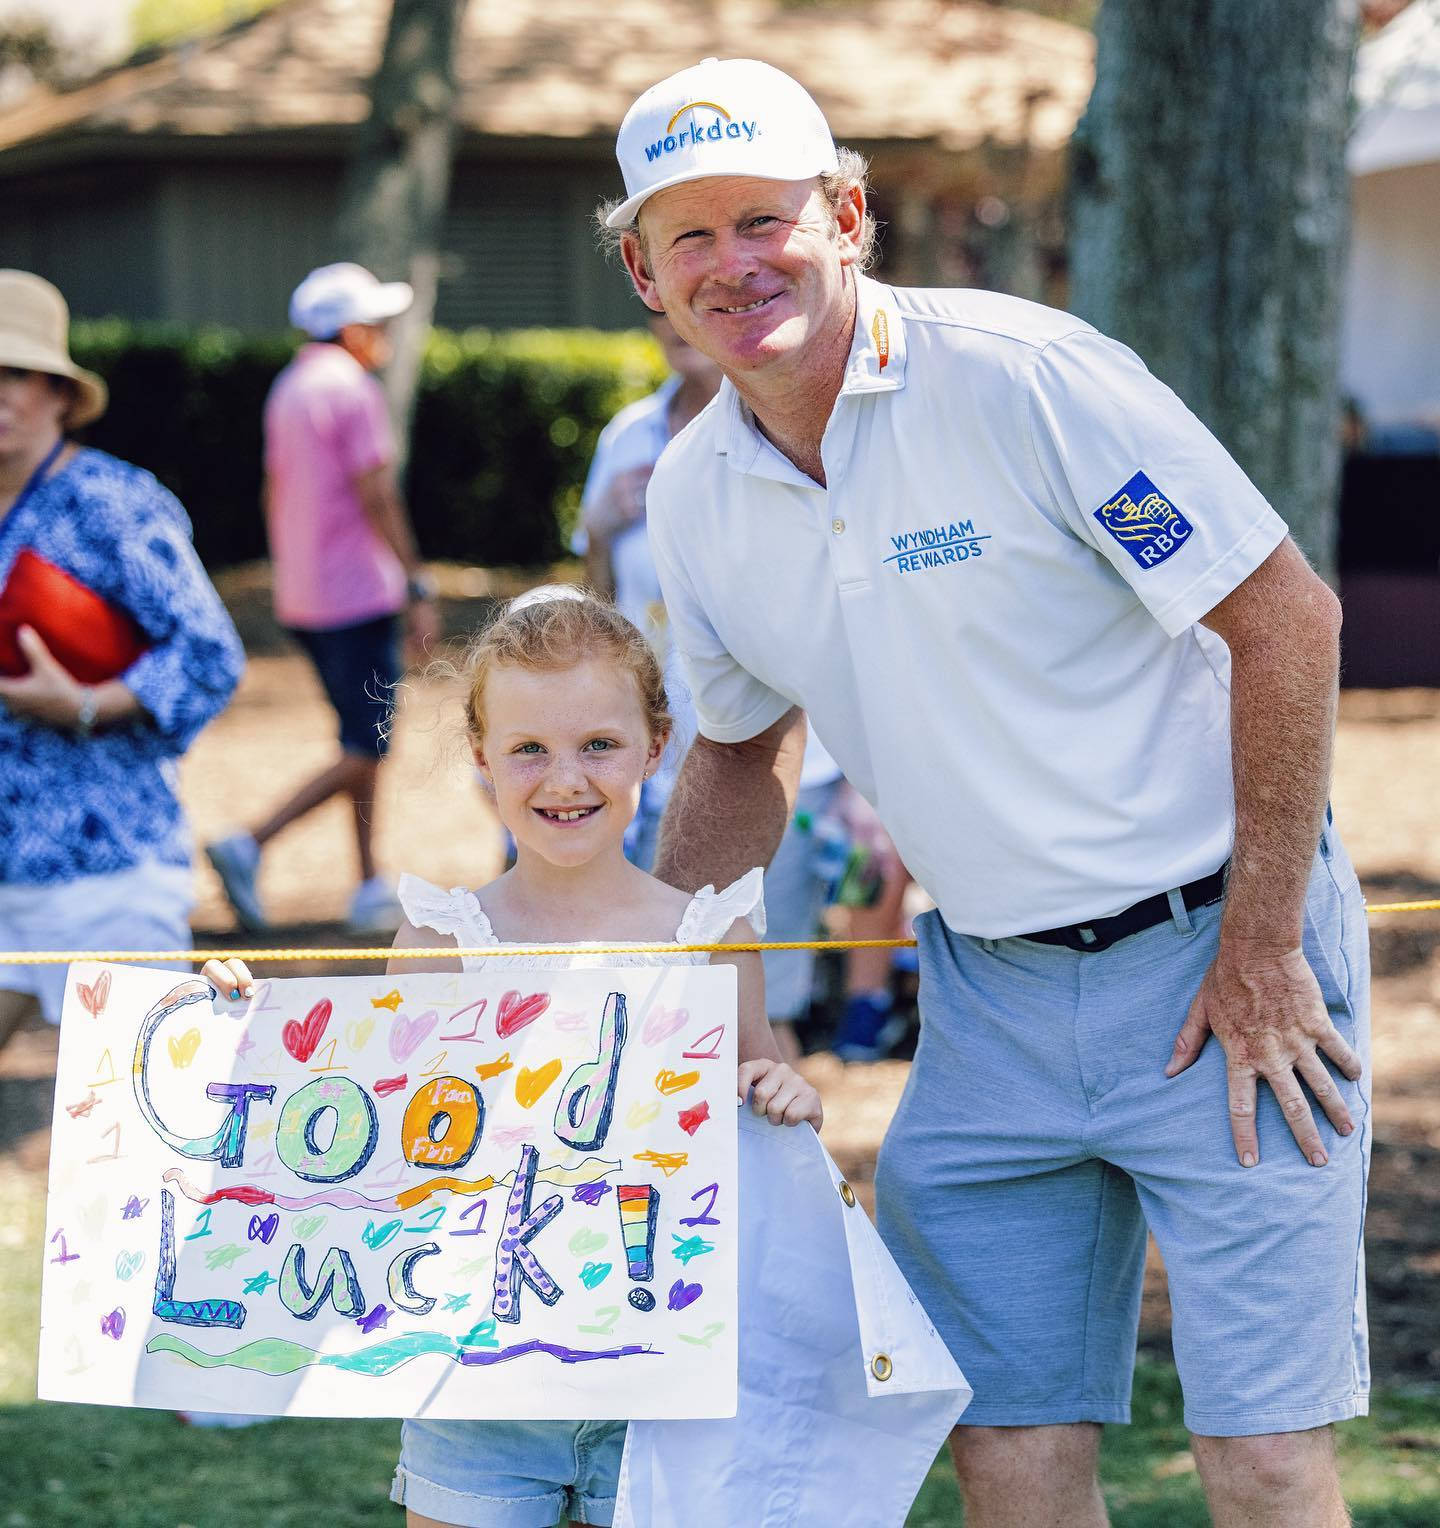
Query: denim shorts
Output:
(1038,1137)
(359,666)
(510,1474)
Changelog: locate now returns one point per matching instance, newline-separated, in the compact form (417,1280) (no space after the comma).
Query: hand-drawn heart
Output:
(93,998)
(516,1135)
(358,1032)
(530,1086)
(488,1069)
(113,1325)
(683,1294)
(643,1114)
(675,1082)
(515,1012)
(592,1275)
(301,1040)
(308,1225)
(663,1023)
(407,1033)
(263,1230)
(127,1264)
(182,1048)
(375,1236)
(586,1241)
(692,1119)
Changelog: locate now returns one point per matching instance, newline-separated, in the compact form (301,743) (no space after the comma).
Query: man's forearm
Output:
(730,806)
(1284,677)
(379,495)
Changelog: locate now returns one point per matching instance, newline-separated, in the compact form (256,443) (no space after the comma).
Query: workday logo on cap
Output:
(697,130)
(733,116)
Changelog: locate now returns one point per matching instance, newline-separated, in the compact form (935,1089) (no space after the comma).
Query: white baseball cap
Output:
(730,116)
(336,295)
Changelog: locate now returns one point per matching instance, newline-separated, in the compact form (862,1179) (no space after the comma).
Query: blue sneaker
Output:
(237,860)
(869,1029)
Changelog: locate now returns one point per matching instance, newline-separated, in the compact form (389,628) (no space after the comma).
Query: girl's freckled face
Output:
(566,751)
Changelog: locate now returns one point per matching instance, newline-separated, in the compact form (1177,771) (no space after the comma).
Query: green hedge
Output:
(505,425)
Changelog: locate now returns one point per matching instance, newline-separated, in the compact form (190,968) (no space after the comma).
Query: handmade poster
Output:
(425,1195)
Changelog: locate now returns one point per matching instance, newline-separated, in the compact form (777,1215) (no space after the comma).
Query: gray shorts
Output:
(1038,1137)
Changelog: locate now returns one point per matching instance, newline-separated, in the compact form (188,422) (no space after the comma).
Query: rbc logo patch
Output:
(1145,522)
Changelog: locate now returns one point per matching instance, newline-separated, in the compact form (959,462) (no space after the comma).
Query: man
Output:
(1050,630)
(346,568)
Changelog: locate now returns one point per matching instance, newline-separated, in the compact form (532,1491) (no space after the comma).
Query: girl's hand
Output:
(780,1093)
(231,978)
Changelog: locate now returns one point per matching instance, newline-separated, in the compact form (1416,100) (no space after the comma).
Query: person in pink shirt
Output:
(348,582)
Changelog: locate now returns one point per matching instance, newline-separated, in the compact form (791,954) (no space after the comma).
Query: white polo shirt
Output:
(990,613)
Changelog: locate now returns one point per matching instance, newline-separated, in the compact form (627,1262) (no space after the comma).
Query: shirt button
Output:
(838,526)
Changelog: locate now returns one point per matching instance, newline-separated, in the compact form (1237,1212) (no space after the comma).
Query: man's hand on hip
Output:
(1266,1010)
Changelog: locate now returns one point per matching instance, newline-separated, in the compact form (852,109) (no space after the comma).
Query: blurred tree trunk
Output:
(398,179)
(1210,208)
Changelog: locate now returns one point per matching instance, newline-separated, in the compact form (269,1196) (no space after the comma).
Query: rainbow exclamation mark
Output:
(639,1210)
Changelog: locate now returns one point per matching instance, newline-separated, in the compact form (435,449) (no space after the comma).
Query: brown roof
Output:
(955,72)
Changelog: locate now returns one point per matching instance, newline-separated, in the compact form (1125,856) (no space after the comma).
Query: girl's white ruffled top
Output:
(706,921)
(846,1390)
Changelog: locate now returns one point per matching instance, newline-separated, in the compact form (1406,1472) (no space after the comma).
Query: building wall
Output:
(225,242)
(235,238)
(1391,337)
(93,233)
(519,252)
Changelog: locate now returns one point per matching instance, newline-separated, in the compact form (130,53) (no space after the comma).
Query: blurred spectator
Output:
(1401,437)
(615,543)
(116,651)
(345,564)
(869,1026)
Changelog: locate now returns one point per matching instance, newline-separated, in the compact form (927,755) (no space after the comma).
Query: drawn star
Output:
(375,1319)
(260,1283)
(456,1302)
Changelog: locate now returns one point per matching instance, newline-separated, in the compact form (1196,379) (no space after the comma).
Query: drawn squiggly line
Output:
(245,1193)
(277,1356)
(589,1171)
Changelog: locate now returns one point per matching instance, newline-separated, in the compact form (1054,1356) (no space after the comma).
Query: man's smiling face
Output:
(751,272)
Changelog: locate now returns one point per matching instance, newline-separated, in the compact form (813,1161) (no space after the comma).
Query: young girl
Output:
(567,717)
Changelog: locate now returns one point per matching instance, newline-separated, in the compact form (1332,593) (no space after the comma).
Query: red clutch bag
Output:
(89,636)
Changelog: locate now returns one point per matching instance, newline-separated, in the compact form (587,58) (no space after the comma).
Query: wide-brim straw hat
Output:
(35,336)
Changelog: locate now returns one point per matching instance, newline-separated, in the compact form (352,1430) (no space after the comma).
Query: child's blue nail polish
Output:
(234,993)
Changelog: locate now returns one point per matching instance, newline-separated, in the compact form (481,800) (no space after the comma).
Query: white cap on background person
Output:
(340,294)
(732,116)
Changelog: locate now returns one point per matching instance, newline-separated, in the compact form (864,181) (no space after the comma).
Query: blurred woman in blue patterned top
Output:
(94,847)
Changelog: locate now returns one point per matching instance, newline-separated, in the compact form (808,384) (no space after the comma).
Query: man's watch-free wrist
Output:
(420,586)
(87,713)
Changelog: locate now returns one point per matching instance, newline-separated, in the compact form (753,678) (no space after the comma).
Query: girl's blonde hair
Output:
(553,627)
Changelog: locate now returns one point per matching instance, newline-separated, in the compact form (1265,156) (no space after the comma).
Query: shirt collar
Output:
(876,365)
(877,352)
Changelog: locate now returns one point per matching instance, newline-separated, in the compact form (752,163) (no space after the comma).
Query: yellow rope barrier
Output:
(385,952)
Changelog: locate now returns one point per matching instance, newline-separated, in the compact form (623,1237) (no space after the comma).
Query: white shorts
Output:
(147,908)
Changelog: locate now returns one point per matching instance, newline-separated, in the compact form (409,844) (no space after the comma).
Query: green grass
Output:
(79,1466)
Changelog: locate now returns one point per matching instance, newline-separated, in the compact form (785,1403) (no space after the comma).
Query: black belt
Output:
(1101,933)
